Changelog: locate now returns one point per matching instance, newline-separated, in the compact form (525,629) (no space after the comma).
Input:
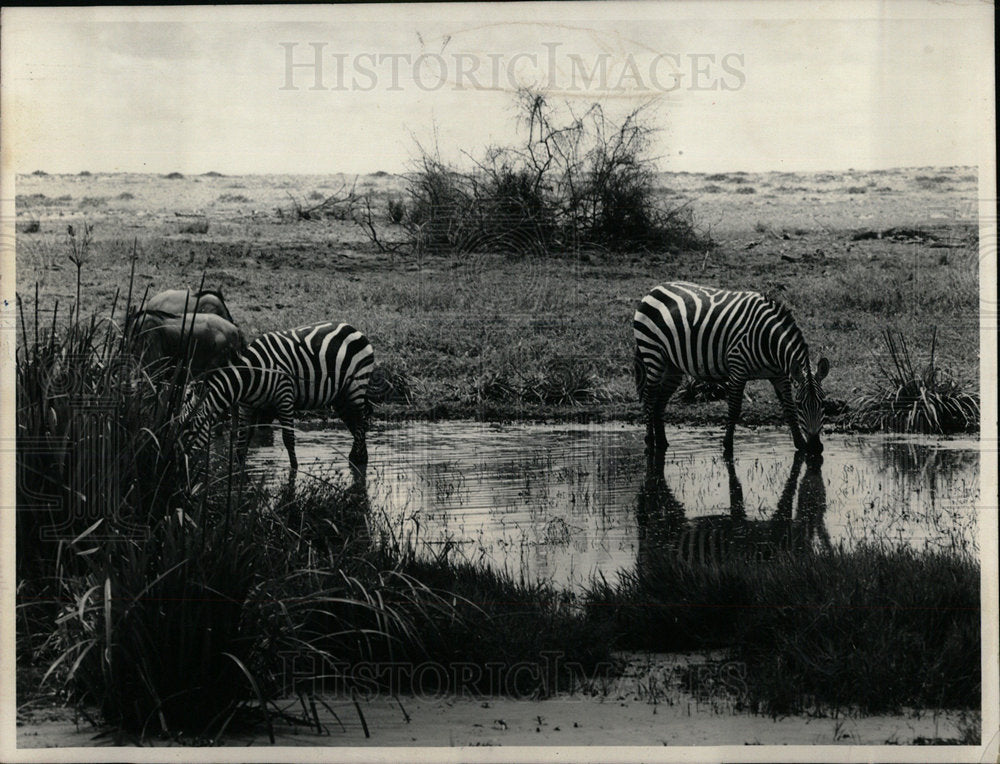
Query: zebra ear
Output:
(822,369)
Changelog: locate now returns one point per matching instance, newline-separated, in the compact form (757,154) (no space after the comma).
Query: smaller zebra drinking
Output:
(310,367)
(728,336)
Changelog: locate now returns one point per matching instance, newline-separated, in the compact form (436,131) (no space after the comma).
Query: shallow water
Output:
(559,502)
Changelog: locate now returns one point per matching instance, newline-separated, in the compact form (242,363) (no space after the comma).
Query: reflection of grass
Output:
(924,459)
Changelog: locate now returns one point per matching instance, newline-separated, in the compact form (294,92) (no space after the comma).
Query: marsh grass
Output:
(170,592)
(872,628)
(162,595)
(905,399)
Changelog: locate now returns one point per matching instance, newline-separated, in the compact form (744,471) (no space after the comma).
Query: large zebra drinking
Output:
(310,367)
(722,335)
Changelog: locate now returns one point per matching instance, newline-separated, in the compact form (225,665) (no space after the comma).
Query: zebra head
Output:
(197,420)
(809,402)
(204,403)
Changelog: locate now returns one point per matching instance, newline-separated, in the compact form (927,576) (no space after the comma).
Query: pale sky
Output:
(754,86)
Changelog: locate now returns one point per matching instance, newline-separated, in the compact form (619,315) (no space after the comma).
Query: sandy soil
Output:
(629,711)
(564,721)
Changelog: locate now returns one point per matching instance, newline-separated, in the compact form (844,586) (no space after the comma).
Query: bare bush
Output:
(340,205)
(577,182)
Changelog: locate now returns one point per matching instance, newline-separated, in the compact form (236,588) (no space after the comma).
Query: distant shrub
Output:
(195,226)
(575,184)
(856,190)
(339,205)
(746,190)
(84,173)
(213,174)
(26,200)
(125,196)
(39,172)
(28,226)
(234,198)
(711,188)
(22,201)
(174,176)
(719,176)
(379,174)
(93,201)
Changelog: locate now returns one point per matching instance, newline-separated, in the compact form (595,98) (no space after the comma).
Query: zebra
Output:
(305,368)
(721,335)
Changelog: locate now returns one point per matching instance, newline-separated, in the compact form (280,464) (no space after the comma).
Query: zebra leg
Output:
(735,398)
(783,389)
(668,386)
(655,399)
(287,421)
(737,508)
(357,423)
(247,420)
(645,391)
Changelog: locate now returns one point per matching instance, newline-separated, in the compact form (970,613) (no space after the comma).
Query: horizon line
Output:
(386,173)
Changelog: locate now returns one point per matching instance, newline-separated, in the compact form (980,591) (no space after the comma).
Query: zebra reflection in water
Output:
(715,539)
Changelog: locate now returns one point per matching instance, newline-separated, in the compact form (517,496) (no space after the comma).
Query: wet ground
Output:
(562,502)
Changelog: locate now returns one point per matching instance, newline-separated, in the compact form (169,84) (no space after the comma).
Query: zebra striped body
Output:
(310,367)
(722,335)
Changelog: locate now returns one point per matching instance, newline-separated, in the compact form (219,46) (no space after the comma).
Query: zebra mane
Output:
(779,305)
(784,313)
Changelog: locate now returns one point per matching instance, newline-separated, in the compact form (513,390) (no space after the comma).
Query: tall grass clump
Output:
(176,595)
(166,595)
(202,620)
(906,399)
(576,182)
